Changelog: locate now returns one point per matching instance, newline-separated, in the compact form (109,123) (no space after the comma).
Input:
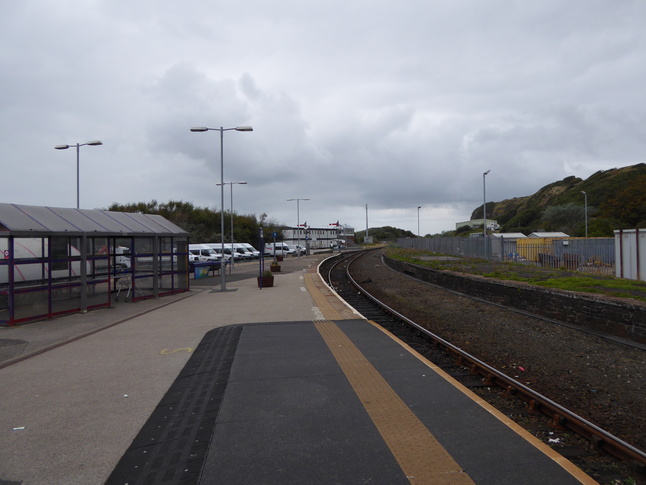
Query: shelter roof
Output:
(33,221)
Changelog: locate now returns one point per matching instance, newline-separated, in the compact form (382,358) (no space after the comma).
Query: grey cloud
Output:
(393,105)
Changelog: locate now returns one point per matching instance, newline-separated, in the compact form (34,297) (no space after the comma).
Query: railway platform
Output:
(280,385)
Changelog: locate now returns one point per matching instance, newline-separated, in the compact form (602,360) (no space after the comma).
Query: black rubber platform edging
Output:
(172,445)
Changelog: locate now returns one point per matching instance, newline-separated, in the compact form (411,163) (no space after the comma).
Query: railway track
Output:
(473,372)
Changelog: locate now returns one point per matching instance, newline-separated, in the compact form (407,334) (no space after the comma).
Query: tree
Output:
(602,227)
(463,229)
(629,204)
(521,221)
(386,233)
(479,212)
(564,218)
(202,224)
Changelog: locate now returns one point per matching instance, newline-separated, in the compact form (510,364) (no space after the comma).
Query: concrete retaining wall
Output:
(609,315)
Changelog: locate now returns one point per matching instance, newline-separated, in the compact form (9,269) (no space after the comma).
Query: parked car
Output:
(299,249)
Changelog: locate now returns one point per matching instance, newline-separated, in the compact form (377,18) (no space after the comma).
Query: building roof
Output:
(548,234)
(34,221)
(509,235)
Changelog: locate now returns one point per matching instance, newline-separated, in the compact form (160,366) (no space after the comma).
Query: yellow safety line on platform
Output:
(322,301)
(328,303)
(566,464)
(422,458)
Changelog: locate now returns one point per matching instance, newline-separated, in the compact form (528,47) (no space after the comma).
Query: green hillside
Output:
(616,200)
(383,234)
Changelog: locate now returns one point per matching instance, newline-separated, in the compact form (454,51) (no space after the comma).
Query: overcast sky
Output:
(393,105)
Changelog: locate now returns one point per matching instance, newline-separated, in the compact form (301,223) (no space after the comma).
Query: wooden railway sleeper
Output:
(509,391)
(532,406)
(557,422)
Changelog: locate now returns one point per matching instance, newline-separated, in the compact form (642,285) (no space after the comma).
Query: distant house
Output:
(491,224)
(319,237)
(509,236)
(550,235)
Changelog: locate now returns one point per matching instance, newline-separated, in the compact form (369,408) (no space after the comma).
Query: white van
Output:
(204,252)
(254,251)
(38,248)
(243,251)
(278,249)
(217,247)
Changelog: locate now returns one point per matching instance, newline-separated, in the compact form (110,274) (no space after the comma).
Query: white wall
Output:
(630,254)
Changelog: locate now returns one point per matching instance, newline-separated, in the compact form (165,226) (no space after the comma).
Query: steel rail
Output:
(560,416)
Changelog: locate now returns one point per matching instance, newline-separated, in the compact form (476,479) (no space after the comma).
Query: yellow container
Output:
(530,248)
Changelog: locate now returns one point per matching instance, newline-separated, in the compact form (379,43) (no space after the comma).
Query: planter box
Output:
(275,268)
(265,281)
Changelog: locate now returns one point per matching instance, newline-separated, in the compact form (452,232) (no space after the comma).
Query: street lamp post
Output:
(484,205)
(298,225)
(78,146)
(418,208)
(585,195)
(232,258)
(223,280)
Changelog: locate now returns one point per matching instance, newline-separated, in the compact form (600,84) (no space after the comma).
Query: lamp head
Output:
(487,172)
(61,147)
(244,128)
(94,143)
(199,128)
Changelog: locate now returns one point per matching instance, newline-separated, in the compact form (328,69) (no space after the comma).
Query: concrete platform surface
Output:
(87,383)
(284,385)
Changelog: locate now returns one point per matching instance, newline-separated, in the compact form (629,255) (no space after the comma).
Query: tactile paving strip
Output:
(172,446)
(420,455)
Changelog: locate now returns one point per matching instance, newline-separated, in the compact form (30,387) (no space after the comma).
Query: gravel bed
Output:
(602,381)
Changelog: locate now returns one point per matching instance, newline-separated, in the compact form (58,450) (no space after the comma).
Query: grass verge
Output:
(563,279)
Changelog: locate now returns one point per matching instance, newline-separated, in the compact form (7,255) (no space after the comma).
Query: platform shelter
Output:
(55,261)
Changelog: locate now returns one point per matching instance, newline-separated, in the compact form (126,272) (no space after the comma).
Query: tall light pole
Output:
(418,208)
(232,258)
(484,205)
(585,195)
(298,225)
(223,280)
(367,222)
(78,145)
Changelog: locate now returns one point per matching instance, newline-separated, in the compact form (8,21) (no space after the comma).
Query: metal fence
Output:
(589,255)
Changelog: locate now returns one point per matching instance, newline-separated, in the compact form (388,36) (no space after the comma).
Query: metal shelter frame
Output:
(55,261)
